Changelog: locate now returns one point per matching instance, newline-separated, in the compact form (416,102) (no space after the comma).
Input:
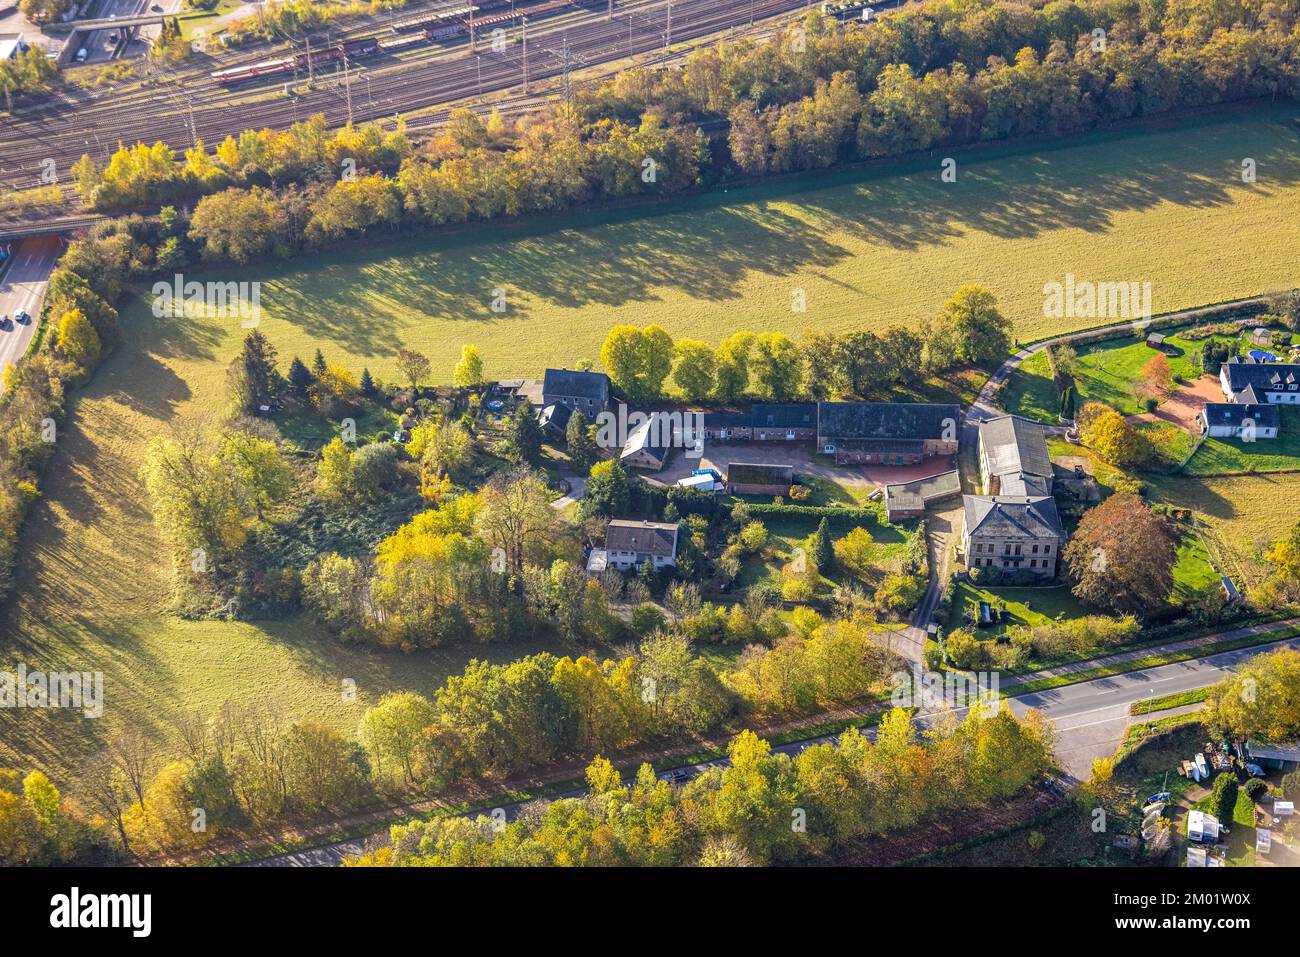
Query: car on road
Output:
(5,323)
(678,776)
(23,316)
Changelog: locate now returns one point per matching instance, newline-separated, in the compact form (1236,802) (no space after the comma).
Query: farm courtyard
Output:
(869,248)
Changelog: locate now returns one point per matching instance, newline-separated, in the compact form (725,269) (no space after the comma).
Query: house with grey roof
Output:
(648,444)
(1233,420)
(783,421)
(630,543)
(586,391)
(1255,383)
(1012,533)
(1013,457)
(886,433)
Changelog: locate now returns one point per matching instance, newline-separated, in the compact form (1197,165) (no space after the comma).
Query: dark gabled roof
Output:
(753,473)
(1271,375)
(580,385)
(1003,515)
(784,415)
(1266,415)
(555,417)
(727,420)
(886,420)
(1015,446)
(653,538)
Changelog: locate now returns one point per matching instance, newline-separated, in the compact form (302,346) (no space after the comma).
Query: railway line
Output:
(380,87)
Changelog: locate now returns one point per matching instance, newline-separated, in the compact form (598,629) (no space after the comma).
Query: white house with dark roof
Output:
(1234,420)
(630,543)
(1256,383)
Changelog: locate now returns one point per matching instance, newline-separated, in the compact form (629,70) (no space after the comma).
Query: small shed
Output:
(1283,808)
(1278,757)
(1230,590)
(1156,340)
(597,561)
(1196,857)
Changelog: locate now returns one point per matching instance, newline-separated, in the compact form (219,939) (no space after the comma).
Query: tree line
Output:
(762,807)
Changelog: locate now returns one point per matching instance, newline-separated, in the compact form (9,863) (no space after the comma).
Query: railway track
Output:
(380,88)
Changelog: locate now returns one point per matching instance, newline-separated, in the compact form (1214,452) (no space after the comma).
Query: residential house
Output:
(784,421)
(586,391)
(726,426)
(1012,533)
(1252,383)
(554,419)
(746,478)
(886,433)
(629,543)
(1013,457)
(648,444)
(1230,420)
(906,500)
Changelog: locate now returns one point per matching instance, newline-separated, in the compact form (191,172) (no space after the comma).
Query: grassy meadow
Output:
(869,248)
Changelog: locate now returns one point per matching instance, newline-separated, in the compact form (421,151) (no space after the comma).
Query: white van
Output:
(82,54)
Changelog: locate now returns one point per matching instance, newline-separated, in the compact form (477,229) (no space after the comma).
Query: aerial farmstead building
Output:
(886,433)
(1014,526)
(588,392)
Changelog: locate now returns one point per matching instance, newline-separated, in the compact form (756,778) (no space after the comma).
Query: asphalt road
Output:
(1090,719)
(23,288)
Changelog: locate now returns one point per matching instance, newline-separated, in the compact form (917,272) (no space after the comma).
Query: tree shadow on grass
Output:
(706,246)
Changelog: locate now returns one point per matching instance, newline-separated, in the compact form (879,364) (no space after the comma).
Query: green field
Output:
(869,248)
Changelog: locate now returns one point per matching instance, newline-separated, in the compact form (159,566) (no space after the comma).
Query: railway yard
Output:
(399,64)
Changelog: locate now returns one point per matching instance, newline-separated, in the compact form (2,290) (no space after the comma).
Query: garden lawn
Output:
(1192,570)
(1231,456)
(1107,372)
(1028,606)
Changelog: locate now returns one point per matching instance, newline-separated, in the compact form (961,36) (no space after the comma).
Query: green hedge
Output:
(835,515)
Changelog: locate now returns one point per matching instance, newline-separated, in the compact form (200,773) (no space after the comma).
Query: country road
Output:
(1090,719)
(22,289)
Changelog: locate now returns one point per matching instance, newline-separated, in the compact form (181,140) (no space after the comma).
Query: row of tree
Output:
(761,807)
(641,361)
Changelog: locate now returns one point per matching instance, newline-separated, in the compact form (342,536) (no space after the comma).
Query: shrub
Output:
(1255,788)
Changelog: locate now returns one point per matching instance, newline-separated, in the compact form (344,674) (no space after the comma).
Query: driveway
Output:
(1182,408)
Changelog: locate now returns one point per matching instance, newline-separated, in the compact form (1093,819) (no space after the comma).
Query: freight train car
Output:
(351,49)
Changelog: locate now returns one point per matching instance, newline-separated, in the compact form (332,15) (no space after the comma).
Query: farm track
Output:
(397,84)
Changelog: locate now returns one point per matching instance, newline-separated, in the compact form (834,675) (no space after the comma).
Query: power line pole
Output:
(471,29)
(524,24)
(347,87)
(609,11)
(668,30)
